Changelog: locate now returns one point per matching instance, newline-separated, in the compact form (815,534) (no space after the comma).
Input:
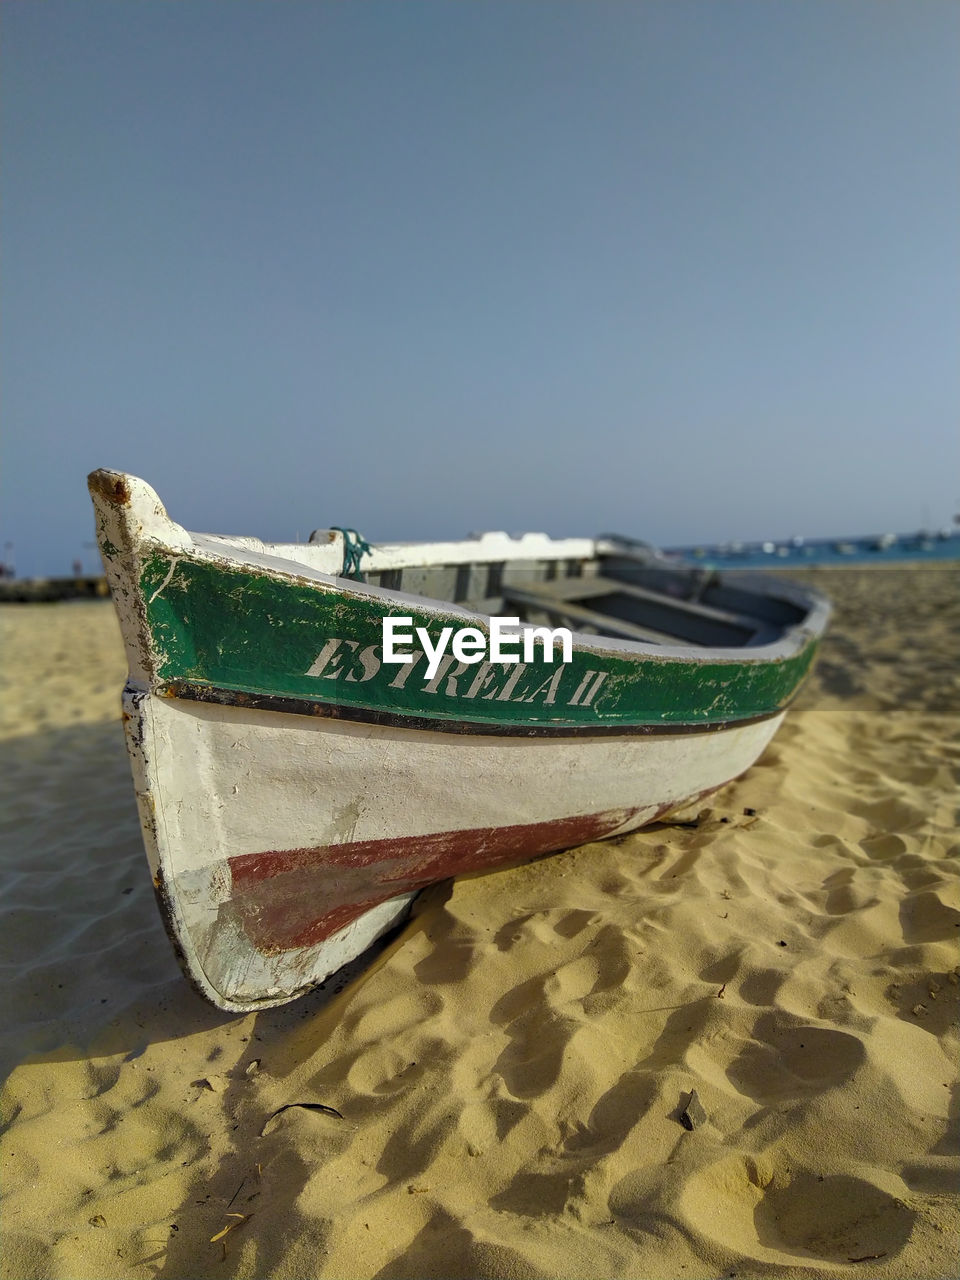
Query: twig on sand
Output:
(241,1218)
(307,1106)
(235,1194)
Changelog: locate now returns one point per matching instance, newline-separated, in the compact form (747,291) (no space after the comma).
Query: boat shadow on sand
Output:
(89,970)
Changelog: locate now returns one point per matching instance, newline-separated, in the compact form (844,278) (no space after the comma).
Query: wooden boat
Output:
(296,791)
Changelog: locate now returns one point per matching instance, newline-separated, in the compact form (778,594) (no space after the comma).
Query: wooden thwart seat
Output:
(564,609)
(632,612)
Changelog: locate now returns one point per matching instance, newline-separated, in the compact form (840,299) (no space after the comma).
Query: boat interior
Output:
(622,596)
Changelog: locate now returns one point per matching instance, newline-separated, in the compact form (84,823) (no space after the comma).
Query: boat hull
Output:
(296,789)
(282,845)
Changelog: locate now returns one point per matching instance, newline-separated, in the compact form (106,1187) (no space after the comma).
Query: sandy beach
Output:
(503,1081)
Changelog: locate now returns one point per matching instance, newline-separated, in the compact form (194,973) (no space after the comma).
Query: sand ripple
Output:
(510,1069)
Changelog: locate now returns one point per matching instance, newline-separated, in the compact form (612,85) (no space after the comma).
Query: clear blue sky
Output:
(687,270)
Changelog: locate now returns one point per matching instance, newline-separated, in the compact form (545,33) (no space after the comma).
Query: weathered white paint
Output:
(242,781)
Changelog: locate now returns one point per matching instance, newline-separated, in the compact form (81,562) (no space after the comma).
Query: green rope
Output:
(354,549)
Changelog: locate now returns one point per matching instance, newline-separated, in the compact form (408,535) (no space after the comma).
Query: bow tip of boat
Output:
(110,486)
(119,489)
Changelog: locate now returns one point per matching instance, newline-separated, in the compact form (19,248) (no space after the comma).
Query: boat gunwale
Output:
(148,529)
(791,641)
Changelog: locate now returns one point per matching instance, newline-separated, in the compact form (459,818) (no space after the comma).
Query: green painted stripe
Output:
(250,631)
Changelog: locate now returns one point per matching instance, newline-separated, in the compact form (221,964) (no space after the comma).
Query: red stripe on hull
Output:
(299,897)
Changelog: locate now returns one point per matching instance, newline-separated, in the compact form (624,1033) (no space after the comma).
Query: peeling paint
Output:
(170,572)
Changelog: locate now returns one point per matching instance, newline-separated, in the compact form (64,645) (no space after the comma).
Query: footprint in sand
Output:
(574,922)
(406,1009)
(416,1143)
(603,966)
(484,1125)
(785,1062)
(535,1195)
(509,934)
(542,1015)
(891,814)
(390,1041)
(780,1215)
(883,847)
(393,1038)
(844,894)
(530,1064)
(573,981)
(925,917)
(379,1072)
(451,961)
(838,1219)
(761,986)
(760,983)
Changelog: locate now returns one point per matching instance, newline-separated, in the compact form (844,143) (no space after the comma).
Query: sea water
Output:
(872,549)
